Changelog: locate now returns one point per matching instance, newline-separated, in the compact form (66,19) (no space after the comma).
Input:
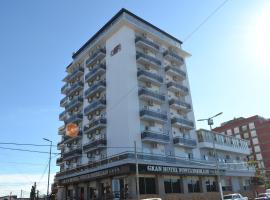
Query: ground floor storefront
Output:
(154,180)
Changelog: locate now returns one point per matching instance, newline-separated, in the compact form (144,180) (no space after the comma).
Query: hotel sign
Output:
(178,170)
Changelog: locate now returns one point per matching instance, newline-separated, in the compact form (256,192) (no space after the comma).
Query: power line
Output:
(205,20)
(20,144)
(27,150)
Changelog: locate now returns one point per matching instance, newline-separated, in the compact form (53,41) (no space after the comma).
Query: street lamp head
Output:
(47,139)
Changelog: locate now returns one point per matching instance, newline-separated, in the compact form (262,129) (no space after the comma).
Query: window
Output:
(147,185)
(255,141)
(172,185)
(253,133)
(246,135)
(257,149)
(236,130)
(259,156)
(211,186)
(244,128)
(193,185)
(251,125)
(229,132)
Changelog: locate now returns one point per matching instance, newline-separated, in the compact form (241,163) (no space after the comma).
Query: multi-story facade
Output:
(256,130)
(128,84)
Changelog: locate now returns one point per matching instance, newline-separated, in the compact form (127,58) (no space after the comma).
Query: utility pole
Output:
(210,123)
(21,195)
(49,172)
(137,171)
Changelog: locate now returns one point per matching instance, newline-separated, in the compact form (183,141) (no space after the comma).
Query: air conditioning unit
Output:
(146,128)
(75,142)
(177,94)
(89,155)
(154,145)
(77,93)
(97,152)
(97,112)
(89,136)
(97,95)
(98,78)
(144,35)
(89,117)
(98,61)
(97,131)
(68,145)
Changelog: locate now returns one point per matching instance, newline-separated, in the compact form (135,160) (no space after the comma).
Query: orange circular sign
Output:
(72,130)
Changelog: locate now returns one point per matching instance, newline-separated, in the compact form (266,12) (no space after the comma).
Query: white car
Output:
(152,199)
(267,191)
(263,196)
(235,196)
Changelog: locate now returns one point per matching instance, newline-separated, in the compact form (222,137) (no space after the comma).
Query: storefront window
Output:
(172,185)
(193,185)
(211,186)
(147,185)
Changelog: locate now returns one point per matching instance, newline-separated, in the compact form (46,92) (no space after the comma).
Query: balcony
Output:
(176,87)
(61,130)
(175,71)
(181,105)
(96,87)
(146,43)
(144,75)
(222,142)
(96,144)
(185,142)
(182,123)
(74,118)
(75,102)
(150,136)
(96,105)
(94,125)
(74,152)
(97,71)
(77,72)
(98,55)
(74,88)
(151,95)
(59,161)
(65,88)
(173,57)
(147,114)
(148,60)
(63,116)
(63,102)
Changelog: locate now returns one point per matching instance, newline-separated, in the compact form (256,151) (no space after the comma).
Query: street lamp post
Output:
(49,172)
(210,123)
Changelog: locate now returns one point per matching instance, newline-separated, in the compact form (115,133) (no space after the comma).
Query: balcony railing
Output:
(180,104)
(187,142)
(151,94)
(65,88)
(93,125)
(173,57)
(98,104)
(175,71)
(75,87)
(72,153)
(64,101)
(99,54)
(154,137)
(143,74)
(99,69)
(61,130)
(153,115)
(146,43)
(95,88)
(63,115)
(146,59)
(77,101)
(92,145)
(74,118)
(76,72)
(182,122)
(177,87)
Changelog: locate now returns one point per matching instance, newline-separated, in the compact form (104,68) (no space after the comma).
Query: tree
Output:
(33,192)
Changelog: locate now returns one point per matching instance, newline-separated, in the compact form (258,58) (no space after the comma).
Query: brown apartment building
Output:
(256,130)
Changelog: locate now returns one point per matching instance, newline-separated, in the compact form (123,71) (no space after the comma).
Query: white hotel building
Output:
(129,83)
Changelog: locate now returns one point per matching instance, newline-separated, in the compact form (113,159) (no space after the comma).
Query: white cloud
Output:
(16,182)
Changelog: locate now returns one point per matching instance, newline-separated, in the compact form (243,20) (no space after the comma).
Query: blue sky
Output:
(228,71)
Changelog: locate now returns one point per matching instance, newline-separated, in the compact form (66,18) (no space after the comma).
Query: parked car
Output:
(152,199)
(263,196)
(267,191)
(235,196)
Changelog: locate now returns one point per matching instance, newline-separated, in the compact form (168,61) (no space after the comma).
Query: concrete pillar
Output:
(61,192)
(160,185)
(184,183)
(85,187)
(235,184)
(131,181)
(202,184)
(240,179)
